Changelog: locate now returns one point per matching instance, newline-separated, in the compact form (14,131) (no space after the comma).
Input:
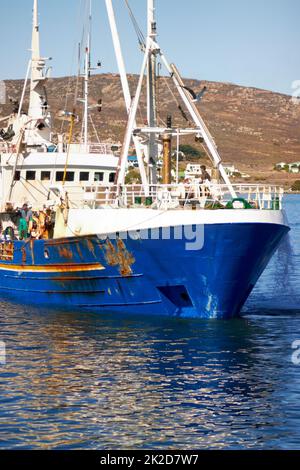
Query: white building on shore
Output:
(289,167)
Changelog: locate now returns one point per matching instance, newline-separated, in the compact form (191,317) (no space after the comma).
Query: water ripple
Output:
(86,381)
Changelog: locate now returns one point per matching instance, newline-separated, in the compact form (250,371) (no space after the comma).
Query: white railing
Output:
(99,148)
(102,148)
(184,196)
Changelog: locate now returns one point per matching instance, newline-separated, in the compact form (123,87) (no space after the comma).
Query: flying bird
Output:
(196,96)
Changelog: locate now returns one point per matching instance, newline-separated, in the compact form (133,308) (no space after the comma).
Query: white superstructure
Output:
(32,157)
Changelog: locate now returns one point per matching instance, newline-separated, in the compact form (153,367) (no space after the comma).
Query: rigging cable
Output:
(94,128)
(139,33)
(183,113)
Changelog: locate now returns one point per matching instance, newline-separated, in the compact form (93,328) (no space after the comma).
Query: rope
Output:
(170,90)
(94,128)
(176,101)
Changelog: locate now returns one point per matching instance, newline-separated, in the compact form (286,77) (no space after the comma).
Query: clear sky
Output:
(248,42)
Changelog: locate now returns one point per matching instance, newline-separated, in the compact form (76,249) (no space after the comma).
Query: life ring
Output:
(238,203)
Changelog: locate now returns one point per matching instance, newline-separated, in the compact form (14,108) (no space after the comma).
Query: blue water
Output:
(97,382)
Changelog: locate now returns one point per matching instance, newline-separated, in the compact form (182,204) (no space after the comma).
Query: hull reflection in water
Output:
(93,382)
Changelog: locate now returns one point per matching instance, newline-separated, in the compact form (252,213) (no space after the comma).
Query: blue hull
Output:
(143,276)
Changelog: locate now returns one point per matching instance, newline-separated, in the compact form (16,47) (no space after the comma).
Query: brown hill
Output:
(254,129)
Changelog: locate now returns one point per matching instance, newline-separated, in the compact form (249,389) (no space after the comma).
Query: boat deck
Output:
(179,196)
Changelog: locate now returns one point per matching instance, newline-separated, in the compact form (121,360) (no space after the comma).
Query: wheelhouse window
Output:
(99,176)
(30,175)
(112,177)
(84,176)
(70,176)
(17,176)
(45,175)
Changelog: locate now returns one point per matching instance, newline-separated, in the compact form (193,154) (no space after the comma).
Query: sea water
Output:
(71,381)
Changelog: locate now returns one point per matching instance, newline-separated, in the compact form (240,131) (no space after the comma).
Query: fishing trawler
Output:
(161,247)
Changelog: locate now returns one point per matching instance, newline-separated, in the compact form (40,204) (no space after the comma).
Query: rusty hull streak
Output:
(110,253)
(126,259)
(91,247)
(24,255)
(32,249)
(65,252)
(119,256)
(79,251)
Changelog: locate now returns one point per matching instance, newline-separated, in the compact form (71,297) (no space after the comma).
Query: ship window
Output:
(45,175)
(99,176)
(17,176)
(112,177)
(84,176)
(70,175)
(30,175)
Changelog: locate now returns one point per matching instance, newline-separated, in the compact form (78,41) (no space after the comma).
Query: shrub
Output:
(190,152)
(296,186)
(133,176)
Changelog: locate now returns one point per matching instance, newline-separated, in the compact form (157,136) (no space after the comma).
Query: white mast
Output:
(36,71)
(38,106)
(151,93)
(86,80)
(125,85)
(86,97)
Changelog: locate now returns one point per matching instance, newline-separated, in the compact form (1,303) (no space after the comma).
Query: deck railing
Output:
(97,148)
(93,148)
(184,196)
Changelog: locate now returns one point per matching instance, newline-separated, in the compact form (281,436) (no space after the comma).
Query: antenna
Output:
(151,94)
